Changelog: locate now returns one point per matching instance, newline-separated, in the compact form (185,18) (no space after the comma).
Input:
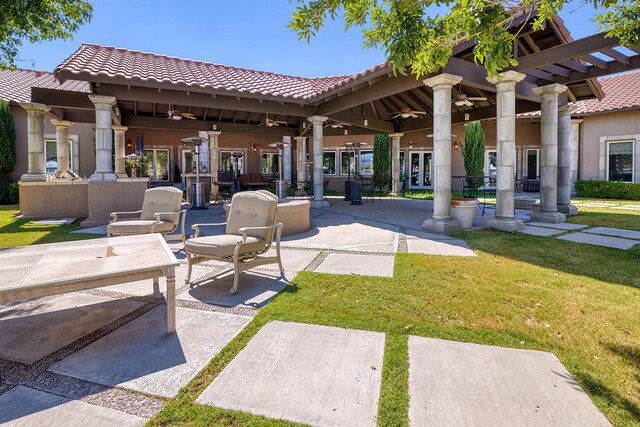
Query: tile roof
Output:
(15,85)
(92,60)
(621,92)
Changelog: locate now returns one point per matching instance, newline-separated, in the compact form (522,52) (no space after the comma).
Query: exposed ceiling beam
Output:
(620,57)
(613,67)
(600,63)
(358,120)
(201,125)
(62,98)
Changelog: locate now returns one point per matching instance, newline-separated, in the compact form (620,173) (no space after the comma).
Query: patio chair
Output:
(249,232)
(160,213)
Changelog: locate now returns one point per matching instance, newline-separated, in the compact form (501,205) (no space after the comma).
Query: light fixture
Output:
(346,132)
(366,122)
(405,115)
(335,125)
(128,143)
(456,145)
(214,127)
(410,145)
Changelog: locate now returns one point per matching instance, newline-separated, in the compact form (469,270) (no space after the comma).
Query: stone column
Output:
(104,137)
(62,147)
(505,219)
(213,161)
(574,148)
(395,163)
(549,154)
(35,143)
(564,160)
(301,157)
(441,221)
(286,160)
(318,177)
(120,152)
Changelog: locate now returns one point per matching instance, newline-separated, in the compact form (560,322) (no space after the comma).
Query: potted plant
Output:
(463,209)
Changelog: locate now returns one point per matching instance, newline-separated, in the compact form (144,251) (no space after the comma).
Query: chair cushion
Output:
(162,199)
(138,226)
(222,246)
(252,209)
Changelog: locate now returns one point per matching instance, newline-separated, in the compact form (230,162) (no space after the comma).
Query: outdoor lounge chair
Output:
(160,213)
(250,230)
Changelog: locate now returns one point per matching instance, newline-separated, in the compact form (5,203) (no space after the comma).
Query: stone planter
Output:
(463,210)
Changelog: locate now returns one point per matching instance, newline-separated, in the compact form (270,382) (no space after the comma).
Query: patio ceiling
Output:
(236,103)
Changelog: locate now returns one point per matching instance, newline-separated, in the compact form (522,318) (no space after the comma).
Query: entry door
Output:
(420,169)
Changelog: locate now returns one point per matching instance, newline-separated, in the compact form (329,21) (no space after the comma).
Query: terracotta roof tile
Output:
(15,85)
(621,92)
(95,60)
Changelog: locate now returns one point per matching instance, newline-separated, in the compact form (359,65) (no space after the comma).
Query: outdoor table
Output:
(49,269)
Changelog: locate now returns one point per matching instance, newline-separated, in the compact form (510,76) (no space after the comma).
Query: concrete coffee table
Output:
(49,269)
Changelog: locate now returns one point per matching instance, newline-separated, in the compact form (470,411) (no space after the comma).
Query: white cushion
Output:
(222,246)
(138,226)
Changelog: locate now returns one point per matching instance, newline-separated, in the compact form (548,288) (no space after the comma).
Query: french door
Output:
(420,164)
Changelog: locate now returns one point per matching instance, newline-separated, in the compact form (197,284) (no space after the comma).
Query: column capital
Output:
(35,106)
(507,77)
(300,138)
(103,100)
(318,119)
(214,133)
(552,89)
(396,135)
(61,123)
(119,128)
(444,79)
(567,109)
(576,121)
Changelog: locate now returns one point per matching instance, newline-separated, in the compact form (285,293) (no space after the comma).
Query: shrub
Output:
(14,193)
(473,154)
(381,161)
(607,190)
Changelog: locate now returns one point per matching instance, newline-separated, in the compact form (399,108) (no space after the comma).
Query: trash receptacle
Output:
(197,195)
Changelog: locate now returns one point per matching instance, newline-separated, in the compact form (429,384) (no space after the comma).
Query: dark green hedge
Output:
(608,190)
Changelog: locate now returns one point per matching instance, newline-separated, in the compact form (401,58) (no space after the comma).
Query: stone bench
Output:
(293,214)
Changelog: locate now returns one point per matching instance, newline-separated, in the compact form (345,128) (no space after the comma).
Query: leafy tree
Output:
(413,38)
(473,153)
(38,20)
(381,160)
(7,149)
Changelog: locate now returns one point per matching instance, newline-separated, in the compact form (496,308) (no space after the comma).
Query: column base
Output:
(35,177)
(319,204)
(548,217)
(103,177)
(568,209)
(442,226)
(62,175)
(122,175)
(505,224)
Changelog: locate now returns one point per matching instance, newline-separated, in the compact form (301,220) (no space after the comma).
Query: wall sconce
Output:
(410,145)
(214,127)
(456,145)
(128,143)
(366,122)
(346,132)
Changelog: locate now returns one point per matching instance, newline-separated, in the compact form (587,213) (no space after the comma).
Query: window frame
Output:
(271,154)
(526,163)
(243,170)
(335,161)
(155,162)
(633,158)
(53,139)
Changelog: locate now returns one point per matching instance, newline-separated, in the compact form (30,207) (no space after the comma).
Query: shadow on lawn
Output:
(600,263)
(599,390)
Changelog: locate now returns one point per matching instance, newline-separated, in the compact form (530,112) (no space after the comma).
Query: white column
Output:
(441,221)
(104,152)
(213,161)
(549,154)
(120,152)
(318,177)
(286,160)
(35,142)
(62,147)
(301,158)
(574,148)
(505,219)
(395,163)
(564,160)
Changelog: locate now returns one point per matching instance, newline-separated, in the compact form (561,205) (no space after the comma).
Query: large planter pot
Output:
(463,210)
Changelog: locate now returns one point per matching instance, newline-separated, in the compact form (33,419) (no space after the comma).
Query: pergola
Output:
(131,89)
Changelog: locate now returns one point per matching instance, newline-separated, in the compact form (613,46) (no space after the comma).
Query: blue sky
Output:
(242,33)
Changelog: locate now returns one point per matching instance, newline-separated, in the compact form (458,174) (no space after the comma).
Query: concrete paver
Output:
(566,226)
(312,374)
(25,407)
(540,231)
(615,232)
(360,264)
(598,240)
(40,328)
(54,221)
(450,247)
(454,383)
(141,356)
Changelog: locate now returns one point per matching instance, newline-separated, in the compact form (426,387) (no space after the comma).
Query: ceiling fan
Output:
(270,122)
(177,115)
(462,100)
(407,112)
(336,124)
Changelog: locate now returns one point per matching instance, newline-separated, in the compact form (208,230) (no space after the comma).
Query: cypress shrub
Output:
(7,150)
(473,153)
(381,161)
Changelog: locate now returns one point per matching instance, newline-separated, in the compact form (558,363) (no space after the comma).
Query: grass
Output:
(580,302)
(606,217)
(22,232)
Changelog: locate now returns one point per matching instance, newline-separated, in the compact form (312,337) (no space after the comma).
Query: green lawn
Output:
(580,302)
(21,232)
(606,217)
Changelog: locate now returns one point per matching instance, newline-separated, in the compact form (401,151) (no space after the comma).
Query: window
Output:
(270,164)
(228,162)
(421,165)
(620,161)
(533,163)
(347,163)
(402,165)
(329,162)
(366,162)
(491,166)
(51,155)
(156,164)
